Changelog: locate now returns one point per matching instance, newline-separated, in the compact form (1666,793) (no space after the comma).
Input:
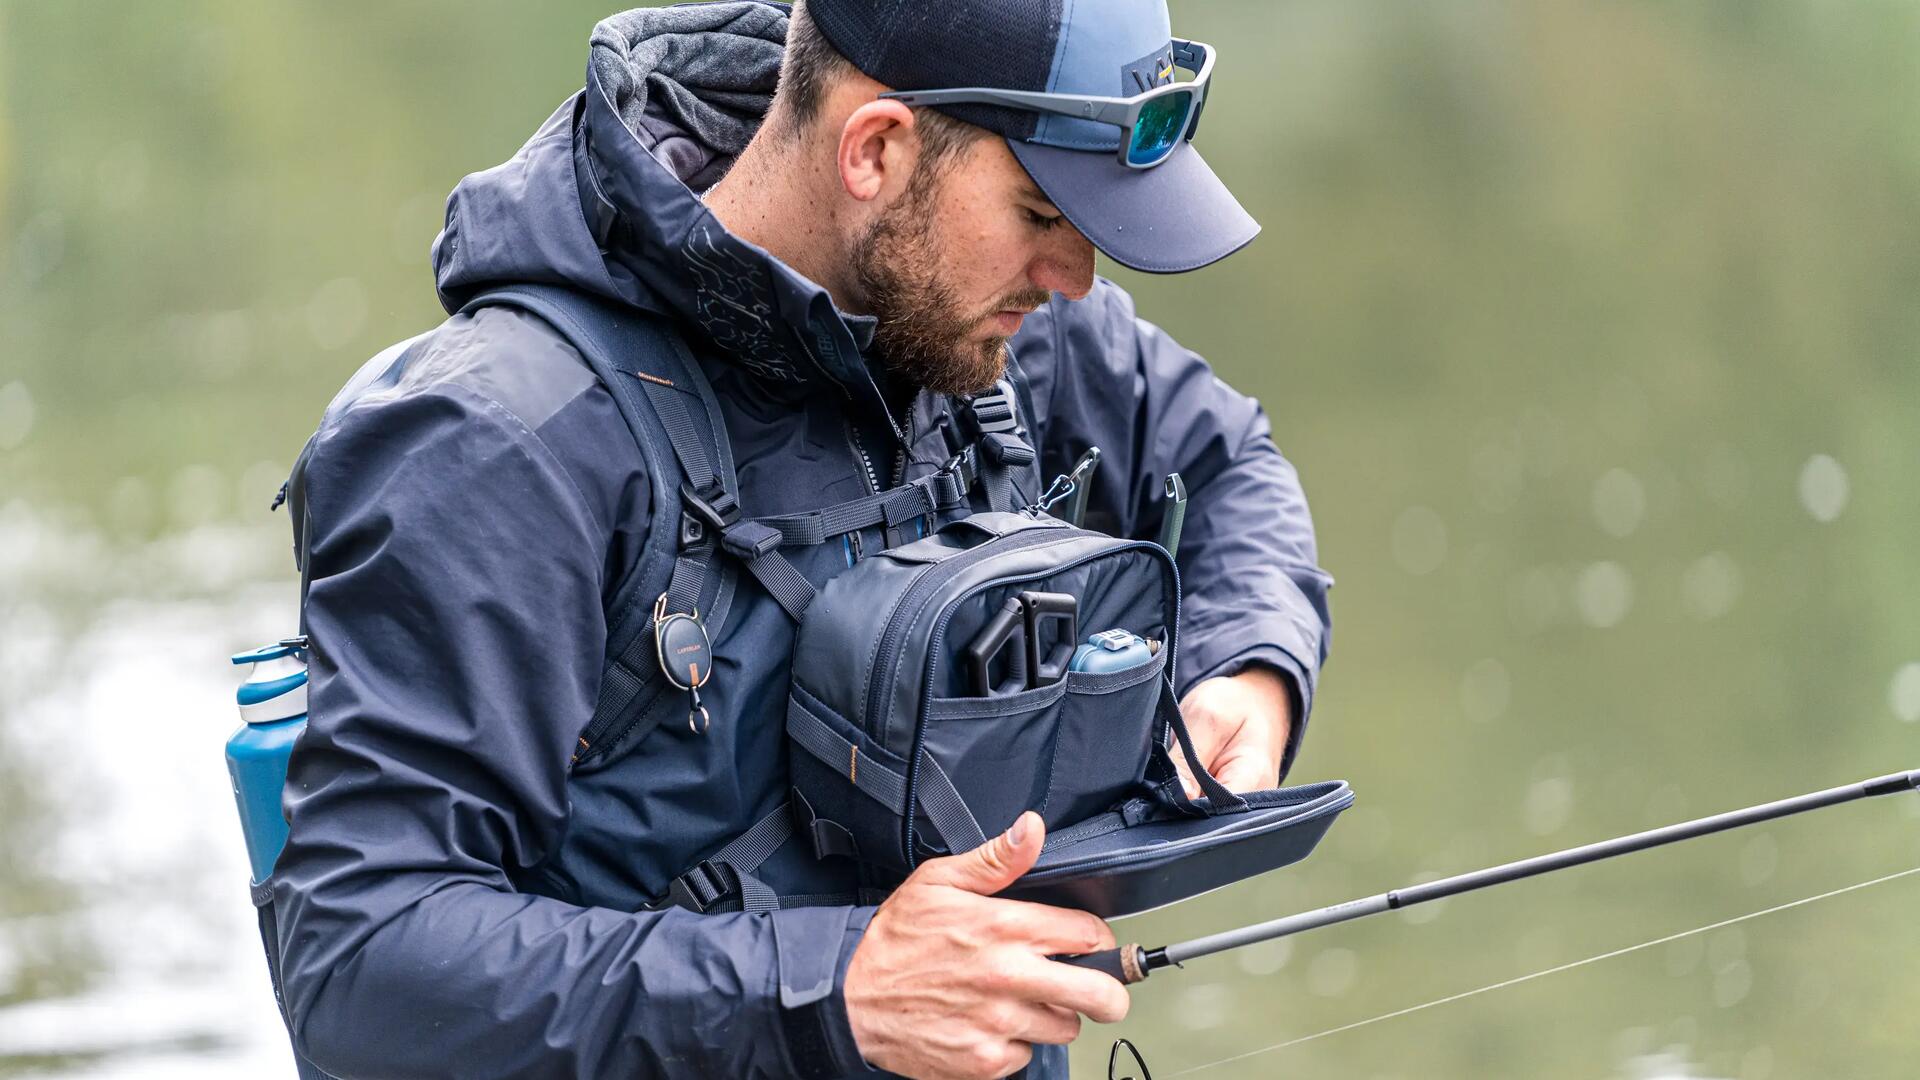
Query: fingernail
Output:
(1019,830)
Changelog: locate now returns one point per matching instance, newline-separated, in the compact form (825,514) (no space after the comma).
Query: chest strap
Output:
(725,881)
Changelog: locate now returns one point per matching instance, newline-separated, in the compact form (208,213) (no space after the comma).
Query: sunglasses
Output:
(1153,124)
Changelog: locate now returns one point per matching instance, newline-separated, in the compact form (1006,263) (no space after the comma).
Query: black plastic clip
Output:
(995,410)
(699,890)
(713,509)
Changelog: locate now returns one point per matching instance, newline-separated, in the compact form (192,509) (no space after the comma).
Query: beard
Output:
(922,334)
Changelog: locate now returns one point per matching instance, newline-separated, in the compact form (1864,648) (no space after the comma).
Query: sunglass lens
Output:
(1162,122)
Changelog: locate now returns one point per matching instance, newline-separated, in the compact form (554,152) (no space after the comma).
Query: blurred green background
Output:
(1592,328)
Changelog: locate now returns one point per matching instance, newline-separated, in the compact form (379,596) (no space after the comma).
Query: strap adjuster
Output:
(699,890)
(1006,448)
(750,540)
(994,411)
(964,467)
(714,509)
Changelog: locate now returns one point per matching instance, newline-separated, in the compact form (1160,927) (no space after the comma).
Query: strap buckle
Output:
(699,890)
(994,410)
(714,509)
(964,467)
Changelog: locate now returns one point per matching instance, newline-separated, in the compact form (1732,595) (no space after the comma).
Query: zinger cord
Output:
(1542,974)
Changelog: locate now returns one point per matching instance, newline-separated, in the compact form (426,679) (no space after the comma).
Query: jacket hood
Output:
(605,197)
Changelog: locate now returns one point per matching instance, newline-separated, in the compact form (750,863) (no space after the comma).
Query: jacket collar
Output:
(665,248)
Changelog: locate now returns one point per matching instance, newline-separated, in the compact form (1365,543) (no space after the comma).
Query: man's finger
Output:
(1051,1024)
(993,865)
(1247,774)
(1046,929)
(1099,996)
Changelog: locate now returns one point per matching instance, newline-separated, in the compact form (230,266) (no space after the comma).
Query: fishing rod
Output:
(1133,963)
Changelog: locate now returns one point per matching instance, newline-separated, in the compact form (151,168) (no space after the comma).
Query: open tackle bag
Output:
(1011,662)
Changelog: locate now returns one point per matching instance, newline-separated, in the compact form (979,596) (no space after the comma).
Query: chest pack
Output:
(984,663)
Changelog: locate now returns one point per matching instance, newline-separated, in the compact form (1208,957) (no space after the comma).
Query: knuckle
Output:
(1098,934)
(1003,921)
(984,1060)
(1071,1027)
(994,978)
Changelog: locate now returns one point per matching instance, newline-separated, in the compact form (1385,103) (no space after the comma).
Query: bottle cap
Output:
(276,687)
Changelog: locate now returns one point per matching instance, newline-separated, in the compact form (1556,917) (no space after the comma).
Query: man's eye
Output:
(1041,220)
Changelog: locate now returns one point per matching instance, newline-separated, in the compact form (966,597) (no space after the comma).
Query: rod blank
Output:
(1396,899)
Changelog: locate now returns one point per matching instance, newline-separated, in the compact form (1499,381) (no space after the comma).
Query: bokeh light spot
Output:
(1710,585)
(1904,694)
(1619,502)
(1604,594)
(1333,973)
(1823,487)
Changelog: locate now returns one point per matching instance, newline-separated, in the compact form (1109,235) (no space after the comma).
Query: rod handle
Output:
(1128,963)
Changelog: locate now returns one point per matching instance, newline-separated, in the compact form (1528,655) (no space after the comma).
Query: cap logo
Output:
(1151,70)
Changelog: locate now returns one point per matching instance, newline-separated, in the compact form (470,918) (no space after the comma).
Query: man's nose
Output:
(1065,267)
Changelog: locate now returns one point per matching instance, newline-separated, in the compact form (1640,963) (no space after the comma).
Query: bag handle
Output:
(1219,799)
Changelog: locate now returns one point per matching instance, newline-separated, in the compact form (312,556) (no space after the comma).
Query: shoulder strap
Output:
(994,427)
(668,405)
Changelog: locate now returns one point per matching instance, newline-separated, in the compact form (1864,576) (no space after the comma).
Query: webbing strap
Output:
(747,540)
(753,847)
(881,783)
(1222,800)
(919,498)
(725,881)
(957,826)
(995,417)
(788,586)
(998,482)
(687,444)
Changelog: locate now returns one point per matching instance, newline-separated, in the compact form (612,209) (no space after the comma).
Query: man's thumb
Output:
(993,865)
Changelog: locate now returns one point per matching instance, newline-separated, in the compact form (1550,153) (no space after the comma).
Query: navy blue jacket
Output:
(453,898)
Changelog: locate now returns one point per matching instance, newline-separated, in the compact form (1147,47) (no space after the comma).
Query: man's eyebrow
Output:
(1031,192)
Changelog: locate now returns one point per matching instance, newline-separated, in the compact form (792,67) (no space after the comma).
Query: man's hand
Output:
(1239,725)
(949,982)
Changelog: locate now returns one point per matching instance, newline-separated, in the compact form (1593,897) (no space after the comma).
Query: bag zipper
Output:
(887,654)
(1333,802)
(940,633)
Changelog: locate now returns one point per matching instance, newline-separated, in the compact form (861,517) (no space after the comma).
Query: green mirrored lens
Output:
(1161,123)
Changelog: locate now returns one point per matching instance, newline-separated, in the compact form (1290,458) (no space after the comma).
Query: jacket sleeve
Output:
(455,610)
(1252,589)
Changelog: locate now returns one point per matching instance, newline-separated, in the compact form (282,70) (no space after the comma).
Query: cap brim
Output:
(1174,217)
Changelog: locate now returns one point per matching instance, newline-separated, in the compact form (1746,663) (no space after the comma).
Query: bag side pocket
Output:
(1105,739)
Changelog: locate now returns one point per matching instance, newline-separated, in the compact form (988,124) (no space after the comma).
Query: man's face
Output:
(948,267)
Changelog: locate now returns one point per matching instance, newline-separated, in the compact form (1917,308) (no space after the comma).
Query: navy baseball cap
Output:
(1172,217)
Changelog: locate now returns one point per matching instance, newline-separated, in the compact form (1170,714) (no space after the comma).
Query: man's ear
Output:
(878,147)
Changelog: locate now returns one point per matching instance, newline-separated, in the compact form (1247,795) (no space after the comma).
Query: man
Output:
(455,897)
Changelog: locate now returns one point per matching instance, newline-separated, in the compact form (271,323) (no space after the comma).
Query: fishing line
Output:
(1549,971)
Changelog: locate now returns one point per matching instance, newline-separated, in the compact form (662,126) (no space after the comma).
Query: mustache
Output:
(1026,301)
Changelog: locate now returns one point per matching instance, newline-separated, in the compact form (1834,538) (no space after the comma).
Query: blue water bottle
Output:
(273,702)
